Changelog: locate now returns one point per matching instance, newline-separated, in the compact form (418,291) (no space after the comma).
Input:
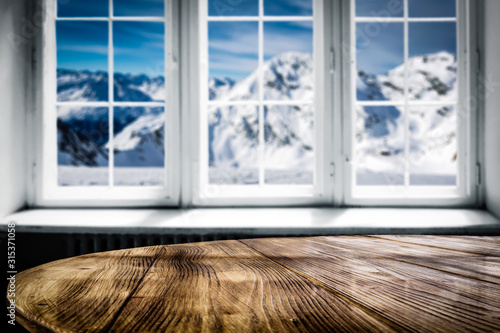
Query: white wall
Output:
(492,105)
(14,61)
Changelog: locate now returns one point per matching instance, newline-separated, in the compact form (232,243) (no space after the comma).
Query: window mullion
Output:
(406,104)
(111,157)
(261,93)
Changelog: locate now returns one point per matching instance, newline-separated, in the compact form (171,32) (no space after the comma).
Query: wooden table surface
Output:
(315,284)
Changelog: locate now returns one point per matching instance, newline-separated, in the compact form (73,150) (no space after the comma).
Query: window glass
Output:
(433,145)
(82,157)
(138,7)
(233,53)
(138,146)
(406,96)
(432,8)
(261,97)
(82,61)
(379,59)
(379,146)
(380,8)
(289,144)
(82,8)
(118,139)
(139,60)
(288,7)
(233,142)
(233,7)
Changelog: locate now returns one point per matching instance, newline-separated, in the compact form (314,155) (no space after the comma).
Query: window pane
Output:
(288,7)
(138,145)
(380,8)
(82,156)
(82,61)
(289,150)
(138,7)
(233,134)
(380,58)
(432,8)
(82,8)
(379,146)
(233,60)
(288,52)
(233,7)
(433,145)
(139,61)
(432,64)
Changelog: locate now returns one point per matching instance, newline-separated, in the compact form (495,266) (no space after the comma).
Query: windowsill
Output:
(259,221)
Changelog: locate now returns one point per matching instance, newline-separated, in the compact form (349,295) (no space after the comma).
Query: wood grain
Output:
(487,246)
(315,284)
(414,297)
(226,286)
(81,293)
(482,267)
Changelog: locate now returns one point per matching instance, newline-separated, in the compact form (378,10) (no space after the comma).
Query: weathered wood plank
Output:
(476,266)
(416,298)
(81,293)
(228,287)
(489,246)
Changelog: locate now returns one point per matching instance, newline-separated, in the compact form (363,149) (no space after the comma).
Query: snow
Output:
(288,150)
(99,176)
(432,129)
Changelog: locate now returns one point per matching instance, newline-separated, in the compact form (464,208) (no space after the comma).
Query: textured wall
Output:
(14,62)
(492,105)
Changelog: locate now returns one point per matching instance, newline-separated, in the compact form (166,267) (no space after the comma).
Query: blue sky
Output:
(233,7)
(138,46)
(432,8)
(432,37)
(138,7)
(233,49)
(87,8)
(82,45)
(82,8)
(288,7)
(379,52)
(251,7)
(416,8)
(281,37)
(379,8)
(233,46)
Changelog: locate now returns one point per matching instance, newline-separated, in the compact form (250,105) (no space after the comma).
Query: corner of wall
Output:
(490,85)
(15,49)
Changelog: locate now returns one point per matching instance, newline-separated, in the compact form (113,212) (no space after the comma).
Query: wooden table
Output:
(316,284)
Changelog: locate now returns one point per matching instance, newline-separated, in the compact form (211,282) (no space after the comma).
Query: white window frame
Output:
(465,192)
(333,67)
(48,192)
(205,194)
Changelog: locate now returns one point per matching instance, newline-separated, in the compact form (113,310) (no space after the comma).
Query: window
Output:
(106,135)
(257,102)
(408,123)
(258,112)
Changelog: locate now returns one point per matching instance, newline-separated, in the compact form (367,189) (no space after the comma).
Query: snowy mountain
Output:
(288,76)
(380,130)
(140,144)
(288,130)
(431,78)
(289,138)
(83,132)
(85,86)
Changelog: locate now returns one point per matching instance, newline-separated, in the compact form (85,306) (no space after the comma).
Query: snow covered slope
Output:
(288,130)
(380,130)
